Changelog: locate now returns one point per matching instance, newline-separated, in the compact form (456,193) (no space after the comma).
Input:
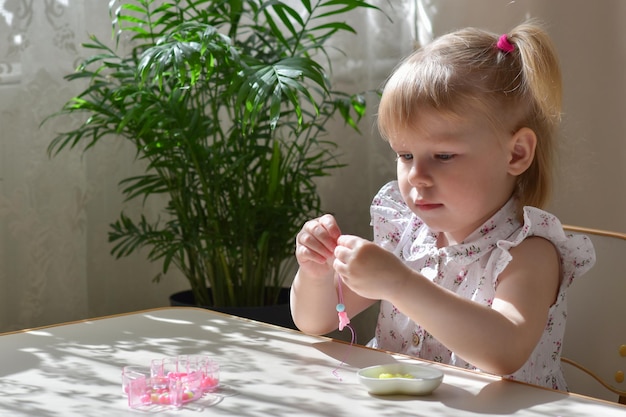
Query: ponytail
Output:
(542,88)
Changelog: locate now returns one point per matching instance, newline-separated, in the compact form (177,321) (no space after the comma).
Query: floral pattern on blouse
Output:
(471,270)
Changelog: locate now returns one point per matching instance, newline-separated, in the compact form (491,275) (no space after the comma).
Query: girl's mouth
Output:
(428,206)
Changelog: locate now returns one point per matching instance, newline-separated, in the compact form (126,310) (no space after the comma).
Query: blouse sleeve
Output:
(576,251)
(389,216)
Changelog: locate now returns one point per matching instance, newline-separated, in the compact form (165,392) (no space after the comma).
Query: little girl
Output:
(470,271)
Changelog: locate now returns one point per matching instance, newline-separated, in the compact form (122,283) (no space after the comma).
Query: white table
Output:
(74,369)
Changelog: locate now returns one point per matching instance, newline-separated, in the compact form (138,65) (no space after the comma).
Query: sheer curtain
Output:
(54,213)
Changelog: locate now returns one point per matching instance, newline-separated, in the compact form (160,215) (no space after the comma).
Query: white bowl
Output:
(408,379)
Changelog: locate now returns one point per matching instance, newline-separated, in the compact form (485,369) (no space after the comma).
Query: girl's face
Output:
(453,172)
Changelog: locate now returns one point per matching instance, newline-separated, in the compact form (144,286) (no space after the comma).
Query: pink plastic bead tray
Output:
(170,381)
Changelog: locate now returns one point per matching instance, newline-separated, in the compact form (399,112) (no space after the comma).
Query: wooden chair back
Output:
(594,347)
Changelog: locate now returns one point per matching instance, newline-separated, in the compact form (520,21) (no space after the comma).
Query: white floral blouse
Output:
(471,270)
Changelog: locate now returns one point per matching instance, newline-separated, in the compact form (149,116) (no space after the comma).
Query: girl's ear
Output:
(522,150)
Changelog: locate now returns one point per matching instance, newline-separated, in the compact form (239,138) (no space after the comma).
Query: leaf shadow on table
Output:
(487,402)
(361,358)
(17,361)
(488,399)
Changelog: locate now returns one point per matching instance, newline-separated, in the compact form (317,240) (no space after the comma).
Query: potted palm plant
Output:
(225,103)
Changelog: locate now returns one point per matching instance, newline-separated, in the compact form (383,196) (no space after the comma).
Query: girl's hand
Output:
(369,270)
(315,245)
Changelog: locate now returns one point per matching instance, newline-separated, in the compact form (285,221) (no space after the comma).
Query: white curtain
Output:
(55,264)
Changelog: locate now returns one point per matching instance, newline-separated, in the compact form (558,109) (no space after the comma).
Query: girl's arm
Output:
(497,339)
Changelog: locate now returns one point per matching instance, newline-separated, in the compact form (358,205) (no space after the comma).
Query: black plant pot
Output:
(278,314)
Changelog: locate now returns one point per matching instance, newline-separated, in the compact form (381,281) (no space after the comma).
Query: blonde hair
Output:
(520,88)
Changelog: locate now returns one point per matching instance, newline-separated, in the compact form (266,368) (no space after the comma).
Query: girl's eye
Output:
(404,156)
(444,156)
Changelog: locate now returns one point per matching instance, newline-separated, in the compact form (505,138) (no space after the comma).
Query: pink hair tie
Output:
(504,45)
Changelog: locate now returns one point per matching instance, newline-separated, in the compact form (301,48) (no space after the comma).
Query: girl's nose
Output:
(419,174)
